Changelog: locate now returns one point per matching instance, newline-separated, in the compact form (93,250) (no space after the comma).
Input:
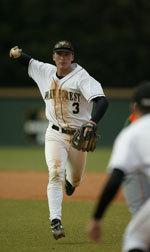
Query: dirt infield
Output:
(32,185)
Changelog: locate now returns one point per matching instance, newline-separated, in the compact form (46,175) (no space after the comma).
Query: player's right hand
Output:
(94,230)
(15,52)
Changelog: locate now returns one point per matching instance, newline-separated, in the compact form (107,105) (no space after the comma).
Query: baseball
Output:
(15,52)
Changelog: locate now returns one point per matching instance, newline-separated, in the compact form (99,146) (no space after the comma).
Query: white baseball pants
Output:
(61,159)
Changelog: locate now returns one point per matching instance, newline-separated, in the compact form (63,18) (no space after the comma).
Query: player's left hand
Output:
(84,138)
(94,230)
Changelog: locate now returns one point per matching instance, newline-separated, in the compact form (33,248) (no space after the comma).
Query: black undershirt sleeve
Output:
(109,191)
(101,104)
(24,59)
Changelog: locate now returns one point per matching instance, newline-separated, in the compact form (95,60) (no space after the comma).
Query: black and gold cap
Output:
(63,46)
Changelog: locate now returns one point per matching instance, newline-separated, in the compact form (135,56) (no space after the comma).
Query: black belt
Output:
(68,131)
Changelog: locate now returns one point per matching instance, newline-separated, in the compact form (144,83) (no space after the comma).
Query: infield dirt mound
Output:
(33,185)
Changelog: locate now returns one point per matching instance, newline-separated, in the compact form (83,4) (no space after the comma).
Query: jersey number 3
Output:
(76,108)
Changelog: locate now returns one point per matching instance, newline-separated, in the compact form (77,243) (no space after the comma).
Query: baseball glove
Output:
(84,138)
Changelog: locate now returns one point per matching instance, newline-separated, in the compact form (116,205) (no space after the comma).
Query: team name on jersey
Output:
(62,94)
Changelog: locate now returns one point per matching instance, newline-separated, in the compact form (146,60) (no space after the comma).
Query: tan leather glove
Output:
(85,137)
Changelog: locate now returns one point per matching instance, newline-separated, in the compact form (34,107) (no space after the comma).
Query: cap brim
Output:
(62,50)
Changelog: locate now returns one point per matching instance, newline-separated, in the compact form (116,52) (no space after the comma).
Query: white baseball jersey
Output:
(131,154)
(131,151)
(68,99)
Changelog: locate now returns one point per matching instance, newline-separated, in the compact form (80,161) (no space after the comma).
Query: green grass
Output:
(23,158)
(24,227)
(97,161)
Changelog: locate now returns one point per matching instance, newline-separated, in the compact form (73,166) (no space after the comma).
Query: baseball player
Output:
(136,186)
(69,93)
(131,153)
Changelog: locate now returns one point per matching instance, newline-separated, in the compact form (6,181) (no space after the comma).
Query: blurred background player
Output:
(130,154)
(136,186)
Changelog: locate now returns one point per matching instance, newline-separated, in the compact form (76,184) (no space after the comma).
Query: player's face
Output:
(63,60)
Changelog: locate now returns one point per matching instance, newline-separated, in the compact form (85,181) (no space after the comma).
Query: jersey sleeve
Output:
(90,88)
(39,72)
(124,156)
